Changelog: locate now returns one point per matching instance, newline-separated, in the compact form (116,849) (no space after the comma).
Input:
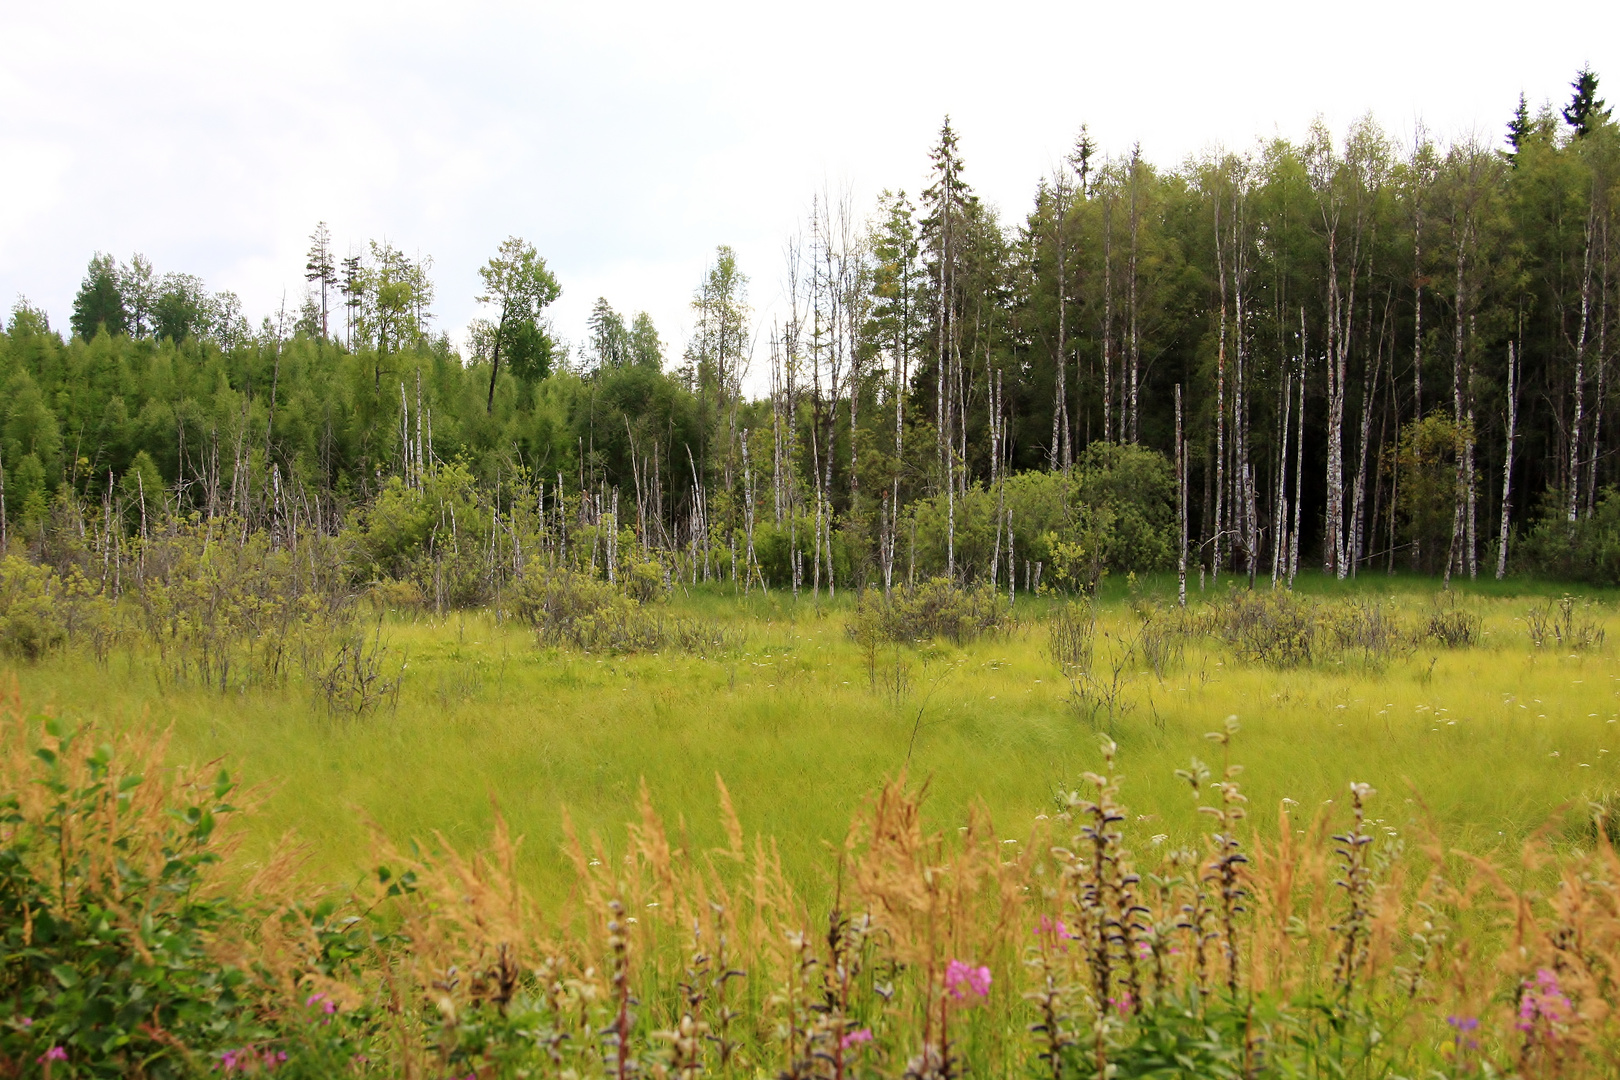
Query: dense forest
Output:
(1360,354)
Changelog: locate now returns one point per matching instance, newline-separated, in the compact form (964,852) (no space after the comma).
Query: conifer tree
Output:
(1585,110)
(100,301)
(320,269)
(1519,129)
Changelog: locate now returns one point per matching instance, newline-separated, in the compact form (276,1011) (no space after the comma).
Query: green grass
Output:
(1491,740)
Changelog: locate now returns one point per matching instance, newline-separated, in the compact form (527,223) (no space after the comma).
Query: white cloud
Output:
(627,140)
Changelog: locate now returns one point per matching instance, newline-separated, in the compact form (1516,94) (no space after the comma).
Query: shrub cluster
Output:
(577,609)
(1586,549)
(936,609)
(1281,628)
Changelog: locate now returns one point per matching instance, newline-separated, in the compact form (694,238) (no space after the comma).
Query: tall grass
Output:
(1495,737)
(1078,943)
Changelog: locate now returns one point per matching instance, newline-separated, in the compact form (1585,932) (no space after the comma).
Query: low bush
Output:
(1586,549)
(936,609)
(31,619)
(576,609)
(1071,635)
(1564,624)
(108,904)
(1267,626)
(1452,628)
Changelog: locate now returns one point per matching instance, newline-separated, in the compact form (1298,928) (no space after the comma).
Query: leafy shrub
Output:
(1113,511)
(1273,626)
(645,580)
(1586,550)
(577,609)
(935,609)
(228,611)
(1425,461)
(32,621)
(106,907)
(1452,628)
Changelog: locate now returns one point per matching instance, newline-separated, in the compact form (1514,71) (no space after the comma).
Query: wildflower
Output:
(328,1006)
(1123,1003)
(1463,1023)
(1054,928)
(27,1021)
(855,1038)
(1542,999)
(55,1053)
(962,978)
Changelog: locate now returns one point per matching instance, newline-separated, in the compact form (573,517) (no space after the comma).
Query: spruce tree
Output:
(1586,110)
(1519,129)
(100,301)
(321,269)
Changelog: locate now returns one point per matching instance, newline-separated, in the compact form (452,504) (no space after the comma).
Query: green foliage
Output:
(231,614)
(31,622)
(1585,110)
(1426,461)
(106,912)
(1114,511)
(99,304)
(936,609)
(1586,549)
(576,609)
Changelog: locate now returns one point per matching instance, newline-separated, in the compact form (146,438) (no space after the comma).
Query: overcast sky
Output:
(627,140)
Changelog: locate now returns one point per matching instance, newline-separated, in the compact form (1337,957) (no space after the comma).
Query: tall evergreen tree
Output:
(610,338)
(1519,129)
(100,302)
(1585,110)
(646,349)
(321,269)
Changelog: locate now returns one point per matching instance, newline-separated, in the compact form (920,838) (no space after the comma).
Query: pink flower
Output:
(1122,1003)
(1054,928)
(27,1021)
(328,1006)
(962,979)
(855,1038)
(55,1053)
(1542,999)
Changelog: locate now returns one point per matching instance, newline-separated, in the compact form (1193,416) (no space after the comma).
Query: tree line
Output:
(1358,352)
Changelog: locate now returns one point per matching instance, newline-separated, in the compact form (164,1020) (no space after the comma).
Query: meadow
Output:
(928,836)
(1491,741)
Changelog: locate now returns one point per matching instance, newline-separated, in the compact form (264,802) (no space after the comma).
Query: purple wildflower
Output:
(962,979)
(1542,999)
(855,1038)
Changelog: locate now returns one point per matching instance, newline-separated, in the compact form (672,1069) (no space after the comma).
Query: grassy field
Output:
(1491,740)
